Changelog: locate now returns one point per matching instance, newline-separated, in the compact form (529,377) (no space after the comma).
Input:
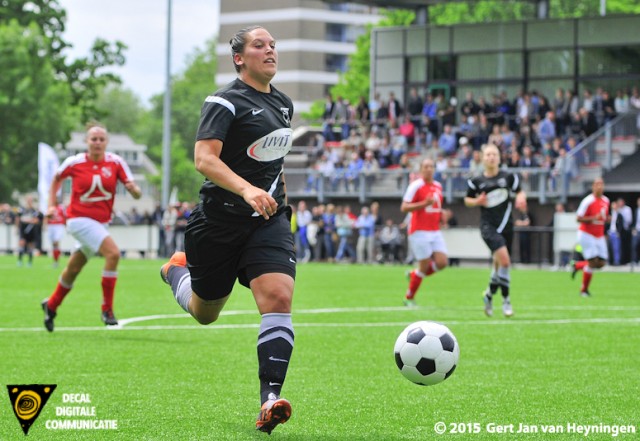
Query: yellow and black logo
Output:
(28,400)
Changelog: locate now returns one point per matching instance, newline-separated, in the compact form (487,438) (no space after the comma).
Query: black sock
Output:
(275,345)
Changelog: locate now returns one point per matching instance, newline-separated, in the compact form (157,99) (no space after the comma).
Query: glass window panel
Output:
(439,40)
(546,34)
(389,42)
(501,36)
(609,60)
(489,66)
(604,30)
(548,88)
(390,70)
(417,69)
(417,41)
(440,68)
(551,63)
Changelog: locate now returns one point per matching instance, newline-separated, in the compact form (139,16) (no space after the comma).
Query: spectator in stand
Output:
(588,123)
(547,128)
(513,159)
(329,224)
(496,138)
(447,141)
(366,225)
(390,240)
(464,155)
(634,104)
(483,107)
(414,108)
(559,107)
(303,219)
(469,107)
(370,169)
(340,116)
(564,170)
(344,228)
(169,219)
(476,166)
(352,172)
(430,112)
(619,231)
(394,109)
(362,112)
(408,130)
(621,102)
(635,233)
(587,100)
(327,118)
(374,106)
(609,106)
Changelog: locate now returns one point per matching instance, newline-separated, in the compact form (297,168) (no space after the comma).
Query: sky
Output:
(142,26)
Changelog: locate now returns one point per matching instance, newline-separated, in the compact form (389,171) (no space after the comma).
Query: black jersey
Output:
(29,218)
(255,129)
(500,190)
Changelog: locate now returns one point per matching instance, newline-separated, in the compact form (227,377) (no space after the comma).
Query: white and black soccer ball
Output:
(427,352)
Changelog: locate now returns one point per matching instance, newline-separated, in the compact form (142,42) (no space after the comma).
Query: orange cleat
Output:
(178,259)
(272,413)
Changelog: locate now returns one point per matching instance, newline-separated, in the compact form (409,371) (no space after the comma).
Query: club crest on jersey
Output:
(274,145)
(502,182)
(106,172)
(285,114)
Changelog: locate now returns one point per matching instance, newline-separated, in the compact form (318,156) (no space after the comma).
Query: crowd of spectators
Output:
(530,130)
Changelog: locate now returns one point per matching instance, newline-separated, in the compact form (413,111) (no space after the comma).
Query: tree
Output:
(34,106)
(354,83)
(122,110)
(42,95)
(188,91)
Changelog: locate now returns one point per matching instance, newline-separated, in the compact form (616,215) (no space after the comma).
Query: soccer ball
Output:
(427,352)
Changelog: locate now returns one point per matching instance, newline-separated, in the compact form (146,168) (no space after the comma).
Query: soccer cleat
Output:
(108,318)
(179,258)
(273,412)
(507,310)
(49,315)
(488,303)
(574,270)
(585,294)
(411,303)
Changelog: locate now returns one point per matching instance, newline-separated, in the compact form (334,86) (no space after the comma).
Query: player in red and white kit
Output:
(95,175)
(423,199)
(593,214)
(56,222)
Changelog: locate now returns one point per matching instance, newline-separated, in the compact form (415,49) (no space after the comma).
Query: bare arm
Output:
(53,195)
(133,189)
(479,201)
(408,207)
(208,162)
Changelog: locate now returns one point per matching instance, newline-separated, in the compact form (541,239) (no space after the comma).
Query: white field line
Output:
(503,322)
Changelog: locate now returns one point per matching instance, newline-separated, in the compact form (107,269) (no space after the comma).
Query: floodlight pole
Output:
(166,119)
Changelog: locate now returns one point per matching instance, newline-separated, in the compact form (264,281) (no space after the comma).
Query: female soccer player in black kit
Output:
(241,227)
(494,192)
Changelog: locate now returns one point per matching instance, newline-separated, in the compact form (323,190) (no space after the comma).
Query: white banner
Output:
(48,163)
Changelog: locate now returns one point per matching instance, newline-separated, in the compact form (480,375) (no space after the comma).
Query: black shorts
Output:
(220,251)
(495,240)
(28,233)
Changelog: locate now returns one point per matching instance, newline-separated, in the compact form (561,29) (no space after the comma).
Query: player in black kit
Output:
(241,228)
(495,192)
(29,222)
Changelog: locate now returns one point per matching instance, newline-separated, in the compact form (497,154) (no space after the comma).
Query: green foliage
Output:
(189,89)
(121,109)
(354,83)
(42,95)
(34,106)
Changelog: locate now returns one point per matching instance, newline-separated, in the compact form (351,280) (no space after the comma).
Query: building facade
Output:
(314,41)
(486,59)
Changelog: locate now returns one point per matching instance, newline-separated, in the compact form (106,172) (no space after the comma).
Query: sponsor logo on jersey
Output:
(256,111)
(285,114)
(497,197)
(273,146)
